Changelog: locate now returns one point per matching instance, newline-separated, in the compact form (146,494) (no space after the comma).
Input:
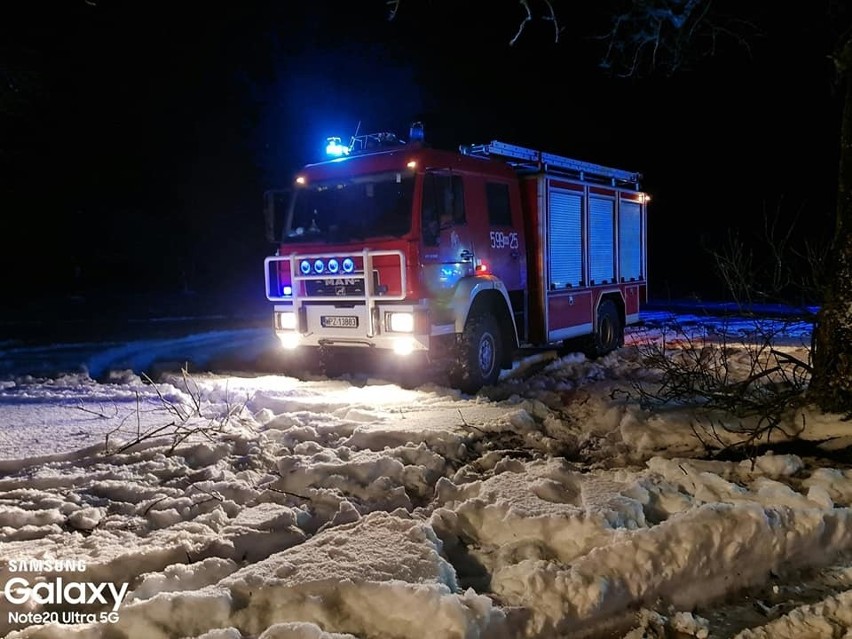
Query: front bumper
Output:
(353,325)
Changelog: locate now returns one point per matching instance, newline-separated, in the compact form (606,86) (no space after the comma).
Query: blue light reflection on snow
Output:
(246,345)
(98,358)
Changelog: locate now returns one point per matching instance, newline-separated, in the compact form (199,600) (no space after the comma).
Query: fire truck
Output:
(459,257)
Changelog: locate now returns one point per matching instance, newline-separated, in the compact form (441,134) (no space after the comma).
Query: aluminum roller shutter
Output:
(630,240)
(601,240)
(565,241)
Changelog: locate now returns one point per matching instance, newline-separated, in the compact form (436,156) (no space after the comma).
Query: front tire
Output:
(480,351)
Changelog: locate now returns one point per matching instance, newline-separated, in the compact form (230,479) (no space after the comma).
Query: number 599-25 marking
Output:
(499,239)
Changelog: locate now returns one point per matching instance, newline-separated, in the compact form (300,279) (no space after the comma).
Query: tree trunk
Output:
(831,385)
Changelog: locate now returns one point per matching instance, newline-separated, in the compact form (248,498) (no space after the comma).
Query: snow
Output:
(232,505)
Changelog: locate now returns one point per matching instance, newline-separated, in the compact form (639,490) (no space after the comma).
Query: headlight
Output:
(403,345)
(400,322)
(289,340)
(287,321)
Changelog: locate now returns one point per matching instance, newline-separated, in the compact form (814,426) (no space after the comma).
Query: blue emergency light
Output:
(335,148)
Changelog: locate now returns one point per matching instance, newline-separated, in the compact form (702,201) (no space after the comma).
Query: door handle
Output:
(466,255)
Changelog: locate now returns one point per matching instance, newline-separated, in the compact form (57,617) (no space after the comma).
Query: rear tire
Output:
(609,331)
(479,354)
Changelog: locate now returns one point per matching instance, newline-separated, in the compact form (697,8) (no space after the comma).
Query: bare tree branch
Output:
(548,16)
(664,35)
(552,18)
(393,8)
(526,5)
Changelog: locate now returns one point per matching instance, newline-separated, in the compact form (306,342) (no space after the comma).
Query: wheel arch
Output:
(487,295)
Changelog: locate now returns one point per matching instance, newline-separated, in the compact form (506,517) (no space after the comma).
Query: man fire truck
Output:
(459,257)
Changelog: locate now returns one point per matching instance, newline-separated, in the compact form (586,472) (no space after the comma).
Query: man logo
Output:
(340,290)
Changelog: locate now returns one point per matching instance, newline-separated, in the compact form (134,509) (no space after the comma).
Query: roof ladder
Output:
(541,160)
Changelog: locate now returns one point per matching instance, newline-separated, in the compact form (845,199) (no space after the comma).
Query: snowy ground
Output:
(243,504)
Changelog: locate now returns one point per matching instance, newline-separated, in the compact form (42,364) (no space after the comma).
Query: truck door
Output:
(447,253)
(500,244)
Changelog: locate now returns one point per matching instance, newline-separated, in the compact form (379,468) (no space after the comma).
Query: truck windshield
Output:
(358,207)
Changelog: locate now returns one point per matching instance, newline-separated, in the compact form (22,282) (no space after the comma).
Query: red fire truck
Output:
(459,257)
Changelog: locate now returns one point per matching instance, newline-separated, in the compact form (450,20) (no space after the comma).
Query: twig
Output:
(96,413)
(466,425)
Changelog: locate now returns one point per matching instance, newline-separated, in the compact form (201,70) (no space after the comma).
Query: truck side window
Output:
(497,195)
(442,205)
(456,203)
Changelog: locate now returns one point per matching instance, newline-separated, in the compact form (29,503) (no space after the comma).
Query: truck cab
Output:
(388,247)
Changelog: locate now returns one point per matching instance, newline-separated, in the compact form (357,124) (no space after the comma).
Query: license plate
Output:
(339,321)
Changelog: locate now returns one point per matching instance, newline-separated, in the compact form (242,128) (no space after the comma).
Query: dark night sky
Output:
(137,137)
